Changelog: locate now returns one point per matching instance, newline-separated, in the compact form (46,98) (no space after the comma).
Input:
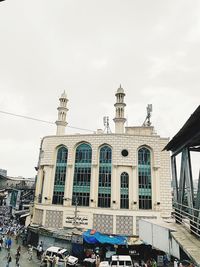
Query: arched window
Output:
(105,167)
(144,176)
(60,175)
(82,175)
(124,194)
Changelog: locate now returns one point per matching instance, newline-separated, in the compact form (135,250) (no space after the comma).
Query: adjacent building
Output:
(16,196)
(102,181)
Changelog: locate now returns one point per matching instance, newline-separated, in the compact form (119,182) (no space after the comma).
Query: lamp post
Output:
(76,211)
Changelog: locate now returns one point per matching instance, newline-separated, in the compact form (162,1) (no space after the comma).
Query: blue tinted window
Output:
(144,177)
(60,175)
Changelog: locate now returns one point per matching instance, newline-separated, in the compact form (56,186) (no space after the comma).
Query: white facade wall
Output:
(91,217)
(159,236)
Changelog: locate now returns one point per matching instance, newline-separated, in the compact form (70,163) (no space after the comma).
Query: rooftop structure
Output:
(103,181)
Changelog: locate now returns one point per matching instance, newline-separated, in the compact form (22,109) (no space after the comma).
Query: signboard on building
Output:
(78,220)
(81,220)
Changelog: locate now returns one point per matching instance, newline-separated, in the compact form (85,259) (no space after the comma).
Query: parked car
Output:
(121,261)
(62,254)
(104,264)
(72,261)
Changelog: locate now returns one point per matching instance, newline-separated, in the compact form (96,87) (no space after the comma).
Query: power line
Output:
(35,119)
(25,117)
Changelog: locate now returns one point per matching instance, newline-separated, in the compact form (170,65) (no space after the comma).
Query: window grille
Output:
(60,176)
(82,175)
(105,166)
(124,191)
(144,177)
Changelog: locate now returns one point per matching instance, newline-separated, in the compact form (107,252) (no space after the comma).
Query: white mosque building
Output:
(102,181)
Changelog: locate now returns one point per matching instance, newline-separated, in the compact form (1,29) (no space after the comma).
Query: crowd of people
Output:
(10,230)
(7,245)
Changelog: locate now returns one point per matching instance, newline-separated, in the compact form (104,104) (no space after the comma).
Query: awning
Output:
(188,135)
(25,215)
(20,212)
(93,237)
(134,241)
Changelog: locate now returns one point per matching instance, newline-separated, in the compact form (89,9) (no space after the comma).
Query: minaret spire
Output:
(119,110)
(62,114)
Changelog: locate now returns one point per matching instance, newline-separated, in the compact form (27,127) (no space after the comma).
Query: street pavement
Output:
(23,262)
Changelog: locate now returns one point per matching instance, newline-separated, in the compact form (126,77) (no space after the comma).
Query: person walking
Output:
(9,243)
(40,252)
(48,261)
(6,242)
(17,237)
(19,249)
(55,261)
(17,256)
(9,259)
(97,261)
(41,244)
(30,252)
(1,243)
(37,250)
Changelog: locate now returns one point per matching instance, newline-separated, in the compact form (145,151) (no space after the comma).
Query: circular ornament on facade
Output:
(124,152)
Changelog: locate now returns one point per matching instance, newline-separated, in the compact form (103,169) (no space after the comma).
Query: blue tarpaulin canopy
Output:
(92,237)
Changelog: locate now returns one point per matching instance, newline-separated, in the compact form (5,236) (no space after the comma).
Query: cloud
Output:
(88,48)
(99,63)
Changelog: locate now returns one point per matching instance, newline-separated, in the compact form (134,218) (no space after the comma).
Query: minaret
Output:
(119,111)
(62,113)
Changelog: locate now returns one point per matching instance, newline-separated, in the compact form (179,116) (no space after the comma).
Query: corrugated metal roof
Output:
(189,134)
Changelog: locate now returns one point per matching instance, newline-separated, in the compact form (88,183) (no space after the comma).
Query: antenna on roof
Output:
(147,121)
(106,124)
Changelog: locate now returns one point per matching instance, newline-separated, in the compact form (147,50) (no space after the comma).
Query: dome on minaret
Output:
(64,95)
(62,114)
(120,90)
(119,111)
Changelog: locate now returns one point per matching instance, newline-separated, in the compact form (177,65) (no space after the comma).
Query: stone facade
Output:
(38,216)
(160,172)
(108,218)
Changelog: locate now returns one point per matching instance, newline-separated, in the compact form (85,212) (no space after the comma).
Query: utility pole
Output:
(76,211)
(147,121)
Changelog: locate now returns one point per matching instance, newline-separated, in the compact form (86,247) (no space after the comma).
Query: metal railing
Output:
(188,217)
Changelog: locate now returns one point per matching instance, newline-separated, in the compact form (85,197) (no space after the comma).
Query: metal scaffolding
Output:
(186,203)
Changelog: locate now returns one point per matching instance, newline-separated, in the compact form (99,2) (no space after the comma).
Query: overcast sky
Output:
(88,48)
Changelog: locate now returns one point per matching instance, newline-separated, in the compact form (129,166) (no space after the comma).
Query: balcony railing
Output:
(188,217)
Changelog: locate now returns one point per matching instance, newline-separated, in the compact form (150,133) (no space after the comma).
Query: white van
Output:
(62,254)
(121,261)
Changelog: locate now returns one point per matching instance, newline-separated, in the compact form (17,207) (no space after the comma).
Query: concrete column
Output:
(135,191)
(48,185)
(134,225)
(38,184)
(114,187)
(68,186)
(44,217)
(131,186)
(156,188)
(114,224)
(94,186)
(118,187)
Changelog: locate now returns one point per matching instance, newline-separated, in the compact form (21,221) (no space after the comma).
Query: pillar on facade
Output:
(93,187)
